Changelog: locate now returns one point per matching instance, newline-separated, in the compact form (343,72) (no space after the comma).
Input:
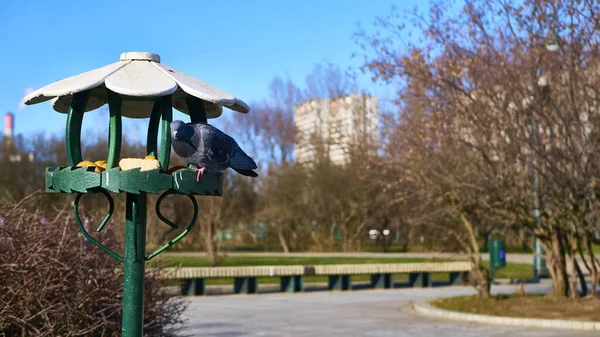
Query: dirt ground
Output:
(530,306)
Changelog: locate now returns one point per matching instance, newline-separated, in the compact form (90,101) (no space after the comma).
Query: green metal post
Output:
(134,258)
(539,264)
(197,109)
(419,280)
(383,281)
(492,258)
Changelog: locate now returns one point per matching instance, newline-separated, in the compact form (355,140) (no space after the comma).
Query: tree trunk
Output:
(332,243)
(593,266)
(574,287)
(386,245)
(485,235)
(294,241)
(212,250)
(480,277)
(317,242)
(282,241)
(209,245)
(580,278)
(407,240)
(524,237)
(560,283)
(254,238)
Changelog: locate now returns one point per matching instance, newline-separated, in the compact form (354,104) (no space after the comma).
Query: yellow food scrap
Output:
(100,165)
(143,164)
(86,163)
(150,157)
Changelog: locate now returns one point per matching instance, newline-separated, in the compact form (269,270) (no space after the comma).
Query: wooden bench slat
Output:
(339,269)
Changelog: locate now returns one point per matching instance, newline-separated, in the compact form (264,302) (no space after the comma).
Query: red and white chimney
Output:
(9,124)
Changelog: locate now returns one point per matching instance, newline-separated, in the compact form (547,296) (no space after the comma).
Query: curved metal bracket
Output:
(73,130)
(173,225)
(111,208)
(162,115)
(115,129)
(102,224)
(159,213)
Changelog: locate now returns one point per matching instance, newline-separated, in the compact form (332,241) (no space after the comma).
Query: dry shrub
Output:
(52,283)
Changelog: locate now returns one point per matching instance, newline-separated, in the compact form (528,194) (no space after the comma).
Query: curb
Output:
(426,309)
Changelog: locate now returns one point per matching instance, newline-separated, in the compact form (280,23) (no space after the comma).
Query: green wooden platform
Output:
(85,180)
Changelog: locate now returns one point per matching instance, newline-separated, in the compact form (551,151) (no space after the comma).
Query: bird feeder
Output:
(138,86)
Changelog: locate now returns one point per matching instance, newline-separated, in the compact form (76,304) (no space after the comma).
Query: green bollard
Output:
(497,255)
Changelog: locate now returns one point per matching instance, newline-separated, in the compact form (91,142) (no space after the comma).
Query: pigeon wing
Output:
(217,145)
(240,160)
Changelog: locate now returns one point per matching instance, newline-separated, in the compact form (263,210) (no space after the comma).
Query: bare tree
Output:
(486,96)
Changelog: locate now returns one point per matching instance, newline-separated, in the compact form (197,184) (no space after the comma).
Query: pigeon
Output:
(210,149)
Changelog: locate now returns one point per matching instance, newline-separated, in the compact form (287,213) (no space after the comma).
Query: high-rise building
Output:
(333,127)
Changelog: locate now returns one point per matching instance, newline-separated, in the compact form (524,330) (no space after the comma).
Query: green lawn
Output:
(512,270)
(531,306)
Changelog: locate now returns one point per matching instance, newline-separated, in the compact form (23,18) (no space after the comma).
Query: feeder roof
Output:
(140,78)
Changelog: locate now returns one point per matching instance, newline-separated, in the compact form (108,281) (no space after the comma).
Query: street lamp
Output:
(373,234)
(552,41)
(539,264)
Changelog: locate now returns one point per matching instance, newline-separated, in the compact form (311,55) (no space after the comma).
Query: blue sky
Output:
(236,45)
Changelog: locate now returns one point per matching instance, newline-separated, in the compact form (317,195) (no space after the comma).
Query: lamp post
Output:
(540,269)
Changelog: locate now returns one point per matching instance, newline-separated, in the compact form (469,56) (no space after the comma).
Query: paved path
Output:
(357,313)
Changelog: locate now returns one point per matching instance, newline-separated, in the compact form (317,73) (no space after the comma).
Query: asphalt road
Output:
(355,313)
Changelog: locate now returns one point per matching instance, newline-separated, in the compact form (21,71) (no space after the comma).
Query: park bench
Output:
(382,273)
(291,277)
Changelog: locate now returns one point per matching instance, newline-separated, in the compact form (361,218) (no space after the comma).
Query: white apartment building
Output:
(334,126)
